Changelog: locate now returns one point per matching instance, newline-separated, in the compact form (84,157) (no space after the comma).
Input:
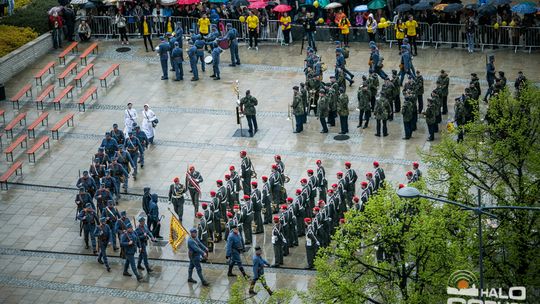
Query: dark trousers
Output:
(397,104)
(252,123)
(178,204)
(332,118)
(431,130)
(143,257)
(384,128)
(103,253)
(323,124)
(253,35)
(407,125)
(164,68)
(147,38)
(412,41)
(194,199)
(299,119)
(444,105)
(154,227)
(344,123)
(123,34)
(420,103)
(278,253)
(364,115)
(178,70)
(130,261)
(286,35)
(195,263)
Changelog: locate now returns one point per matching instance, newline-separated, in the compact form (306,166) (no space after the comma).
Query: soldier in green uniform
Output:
(332,95)
(444,81)
(431,119)
(475,81)
(381,115)
(396,98)
(373,85)
(248,103)
(364,106)
(387,91)
(322,110)
(305,103)
(436,96)
(298,110)
(419,90)
(313,86)
(343,112)
(408,115)
(340,78)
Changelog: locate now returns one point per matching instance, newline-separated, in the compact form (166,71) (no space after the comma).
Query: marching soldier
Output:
(379,175)
(129,243)
(239,221)
(322,183)
(176,197)
(247,215)
(235,178)
(231,221)
(117,134)
(121,228)
(331,212)
(97,171)
(306,191)
(196,250)
(147,197)
(247,170)
(202,229)
(120,175)
(89,221)
(285,229)
(278,242)
(143,235)
(154,221)
(216,210)
(364,106)
(124,159)
(82,199)
(235,245)
(193,183)
(143,140)
(104,235)
(267,200)
(111,215)
(475,82)
(208,216)
(103,195)
(223,198)
(257,202)
(312,244)
(258,271)
(101,157)
(350,182)
(109,144)
(323,110)
(280,167)
(87,183)
(320,232)
(133,146)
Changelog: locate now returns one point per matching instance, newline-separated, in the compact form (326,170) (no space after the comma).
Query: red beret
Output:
(309,171)
(254,184)
(298,191)
(401,186)
(199,214)
(342,220)
(375,164)
(176,180)
(316,209)
(264,178)
(330,191)
(340,173)
(289,199)
(229,214)
(212,193)
(303,180)
(236,207)
(408,173)
(347,164)
(334,185)
(276,218)
(318,162)
(283,207)
(243,153)
(227,176)
(369,174)
(204,205)
(277,156)
(356,199)
(364,183)
(320,201)
(231,168)
(274,166)
(415,164)
(219,182)
(307,220)
(246,197)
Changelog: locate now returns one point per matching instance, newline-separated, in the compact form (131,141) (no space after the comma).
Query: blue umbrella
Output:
(524,8)
(471,6)
(452,8)
(487,9)
(403,8)
(361,8)
(499,2)
(422,6)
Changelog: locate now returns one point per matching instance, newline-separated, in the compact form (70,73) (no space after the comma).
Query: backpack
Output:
(381,59)
(346,52)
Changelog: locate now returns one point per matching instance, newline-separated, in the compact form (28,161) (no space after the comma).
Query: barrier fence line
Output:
(435,34)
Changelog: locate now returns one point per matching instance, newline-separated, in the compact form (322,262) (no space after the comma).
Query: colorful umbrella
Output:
(361,8)
(333,5)
(257,5)
(452,8)
(440,7)
(376,4)
(282,8)
(403,8)
(524,8)
(422,6)
(187,2)
(487,9)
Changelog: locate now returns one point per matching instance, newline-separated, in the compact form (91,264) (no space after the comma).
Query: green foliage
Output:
(238,294)
(12,37)
(423,243)
(21,3)
(34,16)
(501,156)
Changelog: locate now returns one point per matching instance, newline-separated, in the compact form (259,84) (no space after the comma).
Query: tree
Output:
(395,251)
(500,156)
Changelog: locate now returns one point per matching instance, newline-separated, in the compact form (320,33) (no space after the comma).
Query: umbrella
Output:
(282,8)
(403,8)
(272,3)
(167,2)
(452,8)
(487,9)
(89,5)
(499,2)
(55,9)
(78,2)
(218,1)
(257,5)
(238,3)
(376,4)
(422,6)
(63,2)
(440,7)
(471,6)
(361,8)
(187,2)
(524,8)
(333,5)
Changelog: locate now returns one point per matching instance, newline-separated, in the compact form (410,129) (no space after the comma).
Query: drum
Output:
(208,59)
(224,44)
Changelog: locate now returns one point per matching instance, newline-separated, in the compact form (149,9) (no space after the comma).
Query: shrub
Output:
(12,37)
(34,16)
(21,3)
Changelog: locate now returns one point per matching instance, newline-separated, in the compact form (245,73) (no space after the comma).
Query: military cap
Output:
(154,197)
(141,219)
(81,188)
(128,225)
(193,230)
(375,164)
(298,191)
(199,214)
(246,197)
(115,125)
(257,248)
(307,220)
(276,218)
(254,184)
(289,199)
(204,205)
(212,193)
(296,88)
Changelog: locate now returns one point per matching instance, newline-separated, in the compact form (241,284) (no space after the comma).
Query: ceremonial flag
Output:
(177,234)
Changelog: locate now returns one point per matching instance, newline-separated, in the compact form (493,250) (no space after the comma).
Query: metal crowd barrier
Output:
(437,33)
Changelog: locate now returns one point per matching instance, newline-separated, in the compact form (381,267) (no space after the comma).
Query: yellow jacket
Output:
(285,22)
(400,31)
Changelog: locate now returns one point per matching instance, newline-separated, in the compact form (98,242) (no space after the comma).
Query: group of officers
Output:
(171,46)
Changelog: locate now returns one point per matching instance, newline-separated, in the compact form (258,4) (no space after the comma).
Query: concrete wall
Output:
(21,58)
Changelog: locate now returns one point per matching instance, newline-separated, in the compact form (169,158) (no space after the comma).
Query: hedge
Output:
(21,3)
(33,15)
(12,37)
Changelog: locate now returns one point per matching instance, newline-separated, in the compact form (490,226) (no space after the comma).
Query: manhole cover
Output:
(123,49)
(341,137)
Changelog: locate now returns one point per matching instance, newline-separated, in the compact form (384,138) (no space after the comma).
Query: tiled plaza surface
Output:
(42,257)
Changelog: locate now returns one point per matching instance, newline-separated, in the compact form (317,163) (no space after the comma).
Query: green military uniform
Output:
(419,92)
(305,102)
(322,111)
(395,95)
(364,106)
(248,103)
(408,117)
(313,86)
(387,91)
(343,112)
(373,86)
(431,119)
(444,81)
(298,111)
(380,112)
(332,95)
(341,79)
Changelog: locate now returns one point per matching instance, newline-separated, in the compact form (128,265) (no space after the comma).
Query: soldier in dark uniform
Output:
(419,91)
(299,212)
(278,242)
(208,216)
(117,134)
(372,185)
(247,215)
(193,183)
(239,219)
(235,178)
(312,193)
(364,106)
(215,208)
(381,115)
(387,91)
(323,110)
(101,157)
(379,175)
(322,183)
(82,199)
(475,81)
(350,181)
(298,110)
(97,171)
(305,103)
(444,81)
(110,183)
(520,83)
(109,144)
(408,117)
(248,103)
(431,119)
(246,168)
(267,200)
(490,76)
(133,146)
(312,243)
(373,86)
(120,176)
(257,203)
(111,215)
(89,221)
(104,234)
(147,197)
(231,195)
(356,204)
(365,194)
(202,229)
(231,222)
(176,197)
(223,198)
(143,235)
(318,224)
(416,171)
(87,183)
(395,92)
(343,112)
(130,243)
(332,94)
(275,184)
(103,195)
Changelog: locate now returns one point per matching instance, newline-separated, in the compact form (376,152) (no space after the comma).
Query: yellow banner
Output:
(177,234)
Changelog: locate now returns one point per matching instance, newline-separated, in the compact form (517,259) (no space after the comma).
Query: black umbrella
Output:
(240,3)
(422,6)
(63,2)
(499,2)
(471,6)
(452,8)
(403,8)
(487,9)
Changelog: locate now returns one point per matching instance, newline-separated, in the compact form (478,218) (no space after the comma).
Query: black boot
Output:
(230,274)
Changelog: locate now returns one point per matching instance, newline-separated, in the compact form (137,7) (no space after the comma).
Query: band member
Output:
(278,242)
(257,202)
(322,183)
(350,182)
(267,200)
(222,197)
(176,197)
(193,181)
(208,216)
(247,170)
(215,207)
(235,178)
